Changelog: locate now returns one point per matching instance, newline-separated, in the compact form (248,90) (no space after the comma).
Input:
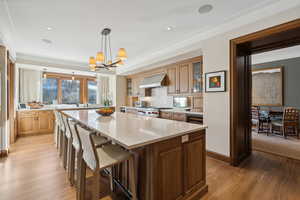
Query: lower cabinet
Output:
(35,122)
(179,167)
(173,116)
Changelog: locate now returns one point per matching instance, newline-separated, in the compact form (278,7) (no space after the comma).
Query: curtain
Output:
(103,92)
(30,85)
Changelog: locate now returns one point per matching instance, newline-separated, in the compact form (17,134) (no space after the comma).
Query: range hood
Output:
(153,81)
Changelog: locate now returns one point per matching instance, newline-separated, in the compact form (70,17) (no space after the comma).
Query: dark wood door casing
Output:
(281,36)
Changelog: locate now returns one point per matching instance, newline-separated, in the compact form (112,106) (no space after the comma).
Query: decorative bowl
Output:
(106,111)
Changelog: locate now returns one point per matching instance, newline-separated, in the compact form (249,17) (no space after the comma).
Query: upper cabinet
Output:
(133,87)
(172,80)
(196,77)
(185,78)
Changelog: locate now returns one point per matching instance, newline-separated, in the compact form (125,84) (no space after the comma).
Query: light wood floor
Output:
(33,171)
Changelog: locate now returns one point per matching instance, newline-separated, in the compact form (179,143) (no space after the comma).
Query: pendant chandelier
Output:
(103,58)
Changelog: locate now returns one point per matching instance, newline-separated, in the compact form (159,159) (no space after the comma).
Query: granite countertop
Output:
(130,130)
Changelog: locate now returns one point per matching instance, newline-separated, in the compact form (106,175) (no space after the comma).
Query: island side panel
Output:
(177,169)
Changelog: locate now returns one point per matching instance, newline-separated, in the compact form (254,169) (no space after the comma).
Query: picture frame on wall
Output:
(215,81)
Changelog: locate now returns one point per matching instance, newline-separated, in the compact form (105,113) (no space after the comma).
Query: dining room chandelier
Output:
(103,59)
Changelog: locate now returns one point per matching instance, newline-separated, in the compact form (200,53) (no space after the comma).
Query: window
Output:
(92,92)
(61,89)
(50,91)
(70,91)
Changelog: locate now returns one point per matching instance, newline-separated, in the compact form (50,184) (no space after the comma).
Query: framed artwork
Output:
(215,81)
(267,86)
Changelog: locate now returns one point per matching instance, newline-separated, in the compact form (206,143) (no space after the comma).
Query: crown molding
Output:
(259,12)
(45,62)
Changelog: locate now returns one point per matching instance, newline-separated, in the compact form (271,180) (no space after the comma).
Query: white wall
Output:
(215,58)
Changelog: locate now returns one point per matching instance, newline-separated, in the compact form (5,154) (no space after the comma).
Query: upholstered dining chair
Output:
(98,159)
(289,123)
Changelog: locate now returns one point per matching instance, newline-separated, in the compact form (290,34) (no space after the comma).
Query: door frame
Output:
(273,38)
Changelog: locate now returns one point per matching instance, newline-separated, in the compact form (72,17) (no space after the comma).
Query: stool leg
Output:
(132,179)
(57,136)
(96,185)
(61,141)
(111,179)
(80,177)
(81,180)
(71,164)
(65,152)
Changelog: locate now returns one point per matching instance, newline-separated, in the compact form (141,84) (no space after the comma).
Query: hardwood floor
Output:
(33,171)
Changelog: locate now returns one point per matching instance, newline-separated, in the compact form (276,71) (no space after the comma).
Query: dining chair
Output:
(98,159)
(260,121)
(289,123)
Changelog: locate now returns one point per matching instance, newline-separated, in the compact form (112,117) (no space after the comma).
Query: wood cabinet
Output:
(165,115)
(173,116)
(179,167)
(186,77)
(196,77)
(179,116)
(35,122)
(172,80)
(197,104)
(183,80)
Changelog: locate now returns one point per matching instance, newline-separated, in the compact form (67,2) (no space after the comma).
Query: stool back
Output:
(88,147)
(67,127)
(75,139)
(61,124)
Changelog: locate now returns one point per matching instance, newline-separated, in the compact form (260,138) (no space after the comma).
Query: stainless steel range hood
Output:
(153,81)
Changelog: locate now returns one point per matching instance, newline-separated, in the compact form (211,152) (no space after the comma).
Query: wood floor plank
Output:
(33,171)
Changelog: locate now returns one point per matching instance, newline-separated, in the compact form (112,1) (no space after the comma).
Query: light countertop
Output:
(130,130)
(174,110)
(61,108)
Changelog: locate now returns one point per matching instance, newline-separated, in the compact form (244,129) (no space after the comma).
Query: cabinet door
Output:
(27,122)
(194,160)
(197,104)
(170,171)
(179,116)
(172,85)
(46,122)
(183,73)
(166,115)
(196,77)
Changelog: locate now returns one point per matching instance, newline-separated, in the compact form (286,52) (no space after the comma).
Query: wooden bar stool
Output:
(74,148)
(98,159)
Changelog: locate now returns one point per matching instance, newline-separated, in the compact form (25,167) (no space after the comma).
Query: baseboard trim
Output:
(3,153)
(218,156)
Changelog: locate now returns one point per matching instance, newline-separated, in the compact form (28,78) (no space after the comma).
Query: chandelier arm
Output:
(109,48)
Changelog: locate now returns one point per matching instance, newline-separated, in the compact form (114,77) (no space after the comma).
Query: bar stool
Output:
(73,147)
(98,159)
(61,132)
(56,129)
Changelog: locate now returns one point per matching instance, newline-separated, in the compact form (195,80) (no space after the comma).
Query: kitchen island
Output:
(170,155)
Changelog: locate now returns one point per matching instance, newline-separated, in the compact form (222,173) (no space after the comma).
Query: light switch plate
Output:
(184,138)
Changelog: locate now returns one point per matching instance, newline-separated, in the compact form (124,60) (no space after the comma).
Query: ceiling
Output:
(140,26)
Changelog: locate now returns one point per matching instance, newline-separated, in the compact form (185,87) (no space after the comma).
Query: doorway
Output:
(241,49)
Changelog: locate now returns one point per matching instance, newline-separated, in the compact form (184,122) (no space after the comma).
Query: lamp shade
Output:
(122,55)
(92,61)
(100,57)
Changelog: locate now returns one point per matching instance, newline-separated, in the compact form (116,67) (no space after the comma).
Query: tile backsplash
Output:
(159,98)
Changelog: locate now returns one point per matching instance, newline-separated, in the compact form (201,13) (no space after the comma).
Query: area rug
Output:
(277,145)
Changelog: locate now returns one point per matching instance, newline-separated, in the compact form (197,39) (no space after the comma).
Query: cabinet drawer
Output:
(166,115)
(28,113)
(179,117)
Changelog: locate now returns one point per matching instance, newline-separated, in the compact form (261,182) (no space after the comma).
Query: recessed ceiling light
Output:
(49,28)
(47,41)
(170,28)
(205,9)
